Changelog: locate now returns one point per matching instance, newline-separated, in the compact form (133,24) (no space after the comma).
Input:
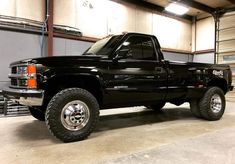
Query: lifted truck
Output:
(117,71)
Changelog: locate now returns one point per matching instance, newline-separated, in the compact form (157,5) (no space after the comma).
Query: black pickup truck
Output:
(117,71)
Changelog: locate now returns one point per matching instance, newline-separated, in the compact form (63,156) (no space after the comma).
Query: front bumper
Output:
(28,97)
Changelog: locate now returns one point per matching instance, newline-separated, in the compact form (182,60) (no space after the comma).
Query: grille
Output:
(19,83)
(14,70)
(22,82)
(14,82)
(18,76)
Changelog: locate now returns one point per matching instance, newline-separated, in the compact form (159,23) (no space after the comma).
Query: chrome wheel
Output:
(216,103)
(75,115)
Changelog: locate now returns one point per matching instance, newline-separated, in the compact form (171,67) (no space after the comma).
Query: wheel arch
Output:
(89,82)
(219,82)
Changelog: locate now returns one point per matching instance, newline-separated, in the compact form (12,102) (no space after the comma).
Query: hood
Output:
(58,60)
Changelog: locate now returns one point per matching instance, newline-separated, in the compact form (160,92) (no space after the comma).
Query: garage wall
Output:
(203,39)
(204,58)
(178,56)
(172,33)
(226,43)
(23,9)
(69,47)
(16,46)
(205,34)
(96,19)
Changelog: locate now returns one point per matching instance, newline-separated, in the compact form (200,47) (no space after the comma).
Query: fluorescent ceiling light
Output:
(176,9)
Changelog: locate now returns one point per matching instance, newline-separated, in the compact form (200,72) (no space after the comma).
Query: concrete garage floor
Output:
(136,136)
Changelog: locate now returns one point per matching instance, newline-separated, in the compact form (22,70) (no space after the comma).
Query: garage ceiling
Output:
(196,12)
(216,3)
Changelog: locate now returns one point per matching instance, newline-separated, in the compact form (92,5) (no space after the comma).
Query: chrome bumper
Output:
(28,97)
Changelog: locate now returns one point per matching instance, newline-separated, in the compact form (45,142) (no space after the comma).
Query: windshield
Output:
(104,46)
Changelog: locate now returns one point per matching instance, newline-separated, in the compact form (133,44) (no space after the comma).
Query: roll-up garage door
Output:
(226,43)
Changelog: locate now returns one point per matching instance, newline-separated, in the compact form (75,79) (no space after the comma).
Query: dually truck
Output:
(117,71)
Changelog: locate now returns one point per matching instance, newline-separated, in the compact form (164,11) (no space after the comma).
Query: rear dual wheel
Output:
(211,106)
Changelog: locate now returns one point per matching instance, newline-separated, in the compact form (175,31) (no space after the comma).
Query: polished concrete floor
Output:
(129,135)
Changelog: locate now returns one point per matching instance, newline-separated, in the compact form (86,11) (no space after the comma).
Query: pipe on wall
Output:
(215,45)
(44,28)
(50,27)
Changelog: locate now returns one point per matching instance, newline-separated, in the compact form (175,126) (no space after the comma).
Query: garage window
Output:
(229,57)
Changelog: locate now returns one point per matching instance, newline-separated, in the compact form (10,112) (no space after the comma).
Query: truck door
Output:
(137,75)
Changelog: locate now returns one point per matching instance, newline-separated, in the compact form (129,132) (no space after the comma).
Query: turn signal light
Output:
(31,69)
(32,83)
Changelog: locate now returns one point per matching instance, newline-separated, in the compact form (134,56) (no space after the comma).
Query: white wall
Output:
(172,33)
(98,19)
(29,9)
(68,47)
(204,38)
(171,56)
(205,34)
(204,58)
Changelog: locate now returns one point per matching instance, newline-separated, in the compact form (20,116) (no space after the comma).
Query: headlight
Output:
(22,70)
(24,76)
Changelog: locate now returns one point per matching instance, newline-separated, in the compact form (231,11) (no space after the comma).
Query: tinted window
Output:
(140,47)
(104,46)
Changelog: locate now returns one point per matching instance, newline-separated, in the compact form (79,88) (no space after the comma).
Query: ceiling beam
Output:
(157,8)
(196,5)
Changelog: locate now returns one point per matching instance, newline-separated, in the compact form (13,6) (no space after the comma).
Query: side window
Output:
(139,47)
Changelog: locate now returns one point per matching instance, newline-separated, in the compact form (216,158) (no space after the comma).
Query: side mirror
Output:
(122,54)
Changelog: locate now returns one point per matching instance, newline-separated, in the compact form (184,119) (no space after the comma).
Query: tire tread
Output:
(204,104)
(50,118)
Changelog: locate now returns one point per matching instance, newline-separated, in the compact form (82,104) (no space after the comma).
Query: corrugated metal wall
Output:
(226,42)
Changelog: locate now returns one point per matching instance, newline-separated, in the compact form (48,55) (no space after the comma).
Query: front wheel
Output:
(72,114)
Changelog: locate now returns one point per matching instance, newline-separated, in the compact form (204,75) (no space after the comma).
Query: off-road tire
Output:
(205,104)
(55,107)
